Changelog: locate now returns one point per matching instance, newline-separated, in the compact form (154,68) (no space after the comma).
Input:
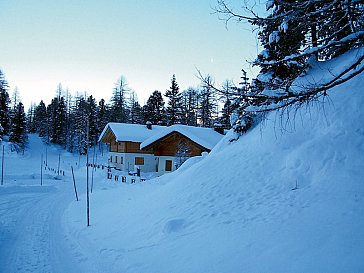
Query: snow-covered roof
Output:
(205,137)
(131,132)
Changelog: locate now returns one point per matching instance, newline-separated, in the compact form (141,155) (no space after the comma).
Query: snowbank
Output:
(280,199)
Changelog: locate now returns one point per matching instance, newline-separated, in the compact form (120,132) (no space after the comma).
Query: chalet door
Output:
(168,165)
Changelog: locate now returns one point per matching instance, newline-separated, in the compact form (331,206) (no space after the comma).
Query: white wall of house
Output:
(126,161)
(162,163)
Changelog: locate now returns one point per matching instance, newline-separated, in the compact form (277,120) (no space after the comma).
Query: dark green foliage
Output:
(174,107)
(91,112)
(4,105)
(294,35)
(154,109)
(40,119)
(58,118)
(102,116)
(18,134)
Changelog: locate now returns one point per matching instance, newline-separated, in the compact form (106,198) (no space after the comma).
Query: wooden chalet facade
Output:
(177,143)
(155,149)
(124,149)
(172,150)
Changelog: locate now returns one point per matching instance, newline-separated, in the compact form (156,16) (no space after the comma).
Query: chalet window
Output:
(121,160)
(116,159)
(139,161)
(111,158)
(168,165)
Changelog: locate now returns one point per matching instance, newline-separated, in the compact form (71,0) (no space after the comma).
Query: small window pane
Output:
(139,161)
(168,165)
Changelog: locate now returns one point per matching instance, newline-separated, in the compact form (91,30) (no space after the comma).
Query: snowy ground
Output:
(237,210)
(32,237)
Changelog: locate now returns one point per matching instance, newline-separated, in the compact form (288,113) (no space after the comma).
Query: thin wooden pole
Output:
(87,178)
(41,170)
(74,183)
(93,168)
(59,162)
(2,167)
(46,159)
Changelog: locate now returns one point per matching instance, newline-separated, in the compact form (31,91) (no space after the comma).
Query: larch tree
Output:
(208,103)
(190,106)
(119,109)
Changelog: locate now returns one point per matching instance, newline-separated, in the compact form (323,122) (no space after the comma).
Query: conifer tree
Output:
(81,118)
(190,106)
(31,125)
(40,119)
(226,96)
(208,103)
(102,116)
(154,110)
(136,112)
(4,105)
(18,134)
(174,107)
(58,121)
(119,110)
(91,113)
(296,35)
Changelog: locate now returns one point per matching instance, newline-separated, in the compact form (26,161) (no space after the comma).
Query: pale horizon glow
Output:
(87,45)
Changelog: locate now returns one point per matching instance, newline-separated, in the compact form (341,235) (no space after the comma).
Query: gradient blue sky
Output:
(87,45)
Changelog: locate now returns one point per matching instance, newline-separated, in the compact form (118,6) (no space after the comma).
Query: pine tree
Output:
(91,113)
(296,35)
(31,125)
(136,112)
(102,116)
(81,125)
(154,109)
(174,107)
(281,35)
(40,119)
(18,133)
(58,121)
(4,105)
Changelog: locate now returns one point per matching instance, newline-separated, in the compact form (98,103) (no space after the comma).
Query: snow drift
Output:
(285,197)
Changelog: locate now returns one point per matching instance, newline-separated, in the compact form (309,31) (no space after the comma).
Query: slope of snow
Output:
(32,237)
(280,199)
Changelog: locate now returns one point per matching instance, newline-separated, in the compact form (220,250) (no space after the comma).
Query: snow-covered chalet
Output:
(154,148)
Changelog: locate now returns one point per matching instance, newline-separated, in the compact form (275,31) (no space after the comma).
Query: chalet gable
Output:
(123,132)
(197,138)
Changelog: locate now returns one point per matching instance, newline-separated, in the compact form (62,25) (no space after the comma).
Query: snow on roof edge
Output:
(205,137)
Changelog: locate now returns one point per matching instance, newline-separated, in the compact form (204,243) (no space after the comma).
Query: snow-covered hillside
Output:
(238,210)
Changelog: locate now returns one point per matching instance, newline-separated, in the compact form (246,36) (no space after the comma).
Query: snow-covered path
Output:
(33,240)
(32,237)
